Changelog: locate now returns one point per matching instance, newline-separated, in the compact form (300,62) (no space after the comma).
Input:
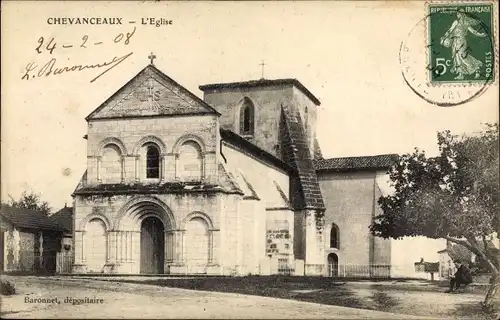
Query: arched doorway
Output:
(333,265)
(152,246)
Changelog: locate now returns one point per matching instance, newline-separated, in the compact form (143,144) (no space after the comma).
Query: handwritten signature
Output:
(51,68)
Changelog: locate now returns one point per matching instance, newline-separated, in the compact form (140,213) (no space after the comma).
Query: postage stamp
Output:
(450,57)
(461,43)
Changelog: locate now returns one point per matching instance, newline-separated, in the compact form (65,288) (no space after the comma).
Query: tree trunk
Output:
(492,300)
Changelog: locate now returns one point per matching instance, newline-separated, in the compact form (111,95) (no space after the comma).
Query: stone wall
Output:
(259,174)
(349,200)
(125,161)
(267,111)
(123,232)
(262,205)
(236,235)
(381,246)
(22,249)
(27,251)
(279,234)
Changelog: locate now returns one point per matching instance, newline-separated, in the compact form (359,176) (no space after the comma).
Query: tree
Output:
(30,201)
(454,196)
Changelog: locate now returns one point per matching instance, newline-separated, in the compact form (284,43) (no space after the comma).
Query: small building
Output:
(29,240)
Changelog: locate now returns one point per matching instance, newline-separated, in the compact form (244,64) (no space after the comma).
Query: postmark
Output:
(443,61)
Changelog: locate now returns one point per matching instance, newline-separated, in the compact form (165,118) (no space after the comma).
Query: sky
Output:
(345,53)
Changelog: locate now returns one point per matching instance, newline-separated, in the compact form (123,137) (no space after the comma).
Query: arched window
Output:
(334,236)
(152,162)
(247,117)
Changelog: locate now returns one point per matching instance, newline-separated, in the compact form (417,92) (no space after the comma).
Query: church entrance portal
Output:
(152,246)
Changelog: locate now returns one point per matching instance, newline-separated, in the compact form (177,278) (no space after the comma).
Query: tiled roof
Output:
(378,162)
(304,185)
(64,218)
(30,219)
(261,83)
(242,143)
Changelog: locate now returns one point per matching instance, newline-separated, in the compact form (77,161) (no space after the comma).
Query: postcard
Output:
(253,159)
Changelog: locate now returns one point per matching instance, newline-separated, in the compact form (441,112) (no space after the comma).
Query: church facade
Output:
(233,184)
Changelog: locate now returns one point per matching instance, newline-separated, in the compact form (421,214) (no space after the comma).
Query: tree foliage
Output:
(30,201)
(454,195)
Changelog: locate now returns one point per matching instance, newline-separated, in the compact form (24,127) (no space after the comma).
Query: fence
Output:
(47,262)
(359,271)
(64,262)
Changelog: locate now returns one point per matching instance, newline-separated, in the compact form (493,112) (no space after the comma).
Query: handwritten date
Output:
(51,45)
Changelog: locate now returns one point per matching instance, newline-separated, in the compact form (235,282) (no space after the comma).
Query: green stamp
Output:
(460,43)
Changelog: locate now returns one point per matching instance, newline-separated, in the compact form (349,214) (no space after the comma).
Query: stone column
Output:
(112,244)
(163,168)
(177,167)
(122,176)
(124,241)
(210,246)
(79,249)
(179,247)
(137,169)
(119,247)
(99,177)
(203,167)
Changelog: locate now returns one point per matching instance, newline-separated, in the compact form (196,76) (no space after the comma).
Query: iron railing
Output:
(359,271)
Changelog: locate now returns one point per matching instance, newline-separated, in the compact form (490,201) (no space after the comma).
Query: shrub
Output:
(7,288)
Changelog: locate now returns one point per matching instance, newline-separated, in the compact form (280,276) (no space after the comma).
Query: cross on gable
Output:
(152,57)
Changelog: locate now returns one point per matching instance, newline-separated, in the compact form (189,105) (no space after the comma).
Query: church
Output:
(234,184)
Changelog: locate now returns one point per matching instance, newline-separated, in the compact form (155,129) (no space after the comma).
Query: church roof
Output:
(261,83)
(296,153)
(378,162)
(151,93)
(238,141)
(30,219)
